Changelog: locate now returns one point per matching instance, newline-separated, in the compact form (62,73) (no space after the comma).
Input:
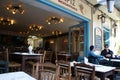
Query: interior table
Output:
(16,76)
(65,57)
(26,56)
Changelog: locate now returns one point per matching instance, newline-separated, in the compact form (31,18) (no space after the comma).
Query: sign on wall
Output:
(76,6)
(98,39)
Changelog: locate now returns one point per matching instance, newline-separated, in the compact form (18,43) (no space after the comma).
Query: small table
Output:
(16,76)
(65,57)
(26,56)
(104,71)
(111,62)
(101,71)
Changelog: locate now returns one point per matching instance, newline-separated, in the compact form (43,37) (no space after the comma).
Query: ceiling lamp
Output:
(110,5)
(56,32)
(15,8)
(54,20)
(24,33)
(35,27)
(6,21)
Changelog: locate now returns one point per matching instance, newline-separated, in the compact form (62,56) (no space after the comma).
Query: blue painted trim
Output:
(69,42)
(87,38)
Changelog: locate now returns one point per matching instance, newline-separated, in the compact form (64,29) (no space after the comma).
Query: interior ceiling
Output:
(37,13)
(34,14)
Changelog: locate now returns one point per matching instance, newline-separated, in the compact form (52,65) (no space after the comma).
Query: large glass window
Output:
(106,34)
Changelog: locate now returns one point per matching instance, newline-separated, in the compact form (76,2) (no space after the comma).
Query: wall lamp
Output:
(115,24)
(102,17)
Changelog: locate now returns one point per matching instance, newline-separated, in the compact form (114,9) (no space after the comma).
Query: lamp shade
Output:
(110,5)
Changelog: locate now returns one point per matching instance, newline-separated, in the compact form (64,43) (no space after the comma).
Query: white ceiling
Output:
(34,14)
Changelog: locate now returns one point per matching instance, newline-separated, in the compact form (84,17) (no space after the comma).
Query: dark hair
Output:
(91,47)
(106,45)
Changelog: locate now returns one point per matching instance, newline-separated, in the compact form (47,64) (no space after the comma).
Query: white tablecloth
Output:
(16,76)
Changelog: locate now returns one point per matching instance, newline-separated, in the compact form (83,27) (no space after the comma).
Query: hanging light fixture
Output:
(24,33)
(54,20)
(35,27)
(15,9)
(110,5)
(6,21)
(56,32)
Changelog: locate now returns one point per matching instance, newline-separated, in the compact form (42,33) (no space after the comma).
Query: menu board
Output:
(98,39)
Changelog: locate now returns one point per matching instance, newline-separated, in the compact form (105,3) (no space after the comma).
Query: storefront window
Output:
(106,34)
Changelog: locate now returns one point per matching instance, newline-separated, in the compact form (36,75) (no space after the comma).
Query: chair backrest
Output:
(49,73)
(43,58)
(3,67)
(84,71)
(39,66)
(6,55)
(48,56)
(63,71)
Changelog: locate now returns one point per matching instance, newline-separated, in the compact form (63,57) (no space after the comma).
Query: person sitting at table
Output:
(93,57)
(107,53)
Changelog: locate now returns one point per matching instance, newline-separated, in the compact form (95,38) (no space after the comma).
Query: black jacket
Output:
(104,53)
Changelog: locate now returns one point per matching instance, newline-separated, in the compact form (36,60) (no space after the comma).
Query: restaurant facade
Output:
(92,29)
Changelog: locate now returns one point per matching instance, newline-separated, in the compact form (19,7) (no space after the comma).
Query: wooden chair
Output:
(84,71)
(48,56)
(3,67)
(47,73)
(64,71)
(13,66)
(36,64)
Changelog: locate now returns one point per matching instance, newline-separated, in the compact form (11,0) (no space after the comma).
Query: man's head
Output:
(91,47)
(106,46)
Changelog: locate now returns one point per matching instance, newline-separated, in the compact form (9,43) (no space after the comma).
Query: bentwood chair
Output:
(84,71)
(48,56)
(63,71)
(47,73)
(35,65)
(13,66)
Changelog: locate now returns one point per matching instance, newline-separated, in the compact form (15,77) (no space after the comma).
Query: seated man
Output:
(107,53)
(93,57)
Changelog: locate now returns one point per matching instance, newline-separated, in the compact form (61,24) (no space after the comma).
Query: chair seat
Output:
(14,64)
(31,62)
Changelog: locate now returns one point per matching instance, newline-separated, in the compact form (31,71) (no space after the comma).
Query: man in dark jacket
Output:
(107,53)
